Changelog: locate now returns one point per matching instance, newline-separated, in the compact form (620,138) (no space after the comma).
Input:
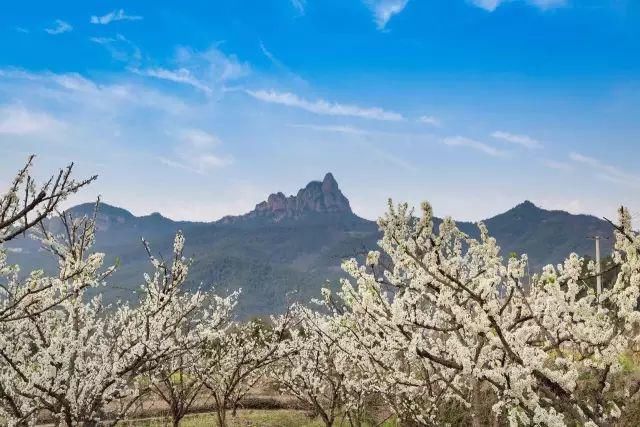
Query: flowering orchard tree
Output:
(449,316)
(24,206)
(316,370)
(175,381)
(176,384)
(79,361)
(232,361)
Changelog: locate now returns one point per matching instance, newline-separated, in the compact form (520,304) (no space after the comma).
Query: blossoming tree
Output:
(175,381)
(23,207)
(232,361)
(448,315)
(315,369)
(81,362)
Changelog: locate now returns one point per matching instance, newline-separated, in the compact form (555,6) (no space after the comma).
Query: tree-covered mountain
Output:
(288,247)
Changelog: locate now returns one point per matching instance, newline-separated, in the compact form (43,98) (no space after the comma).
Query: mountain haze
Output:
(288,247)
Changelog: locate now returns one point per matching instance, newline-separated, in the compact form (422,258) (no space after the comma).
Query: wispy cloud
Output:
(557,165)
(547,4)
(521,140)
(299,5)
(76,97)
(430,120)
(349,130)
(460,141)
(384,10)
(359,131)
(59,27)
(16,120)
(369,146)
(324,107)
(117,123)
(22,30)
(195,152)
(213,64)
(116,15)
(266,52)
(180,75)
(606,171)
(491,5)
(120,48)
(281,67)
(204,70)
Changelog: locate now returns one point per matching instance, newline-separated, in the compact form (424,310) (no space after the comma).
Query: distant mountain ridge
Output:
(296,244)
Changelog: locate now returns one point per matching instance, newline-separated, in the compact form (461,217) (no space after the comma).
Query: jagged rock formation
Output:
(318,197)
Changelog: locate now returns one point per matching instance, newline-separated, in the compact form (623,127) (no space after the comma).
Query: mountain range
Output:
(288,247)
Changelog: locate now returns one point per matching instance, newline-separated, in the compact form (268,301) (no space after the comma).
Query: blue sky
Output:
(201,109)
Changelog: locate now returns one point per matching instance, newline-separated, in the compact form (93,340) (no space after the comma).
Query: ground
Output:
(245,418)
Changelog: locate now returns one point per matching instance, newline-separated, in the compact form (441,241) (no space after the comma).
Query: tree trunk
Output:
(328,422)
(221,413)
(176,415)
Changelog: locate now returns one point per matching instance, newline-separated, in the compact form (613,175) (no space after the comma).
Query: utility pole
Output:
(598,267)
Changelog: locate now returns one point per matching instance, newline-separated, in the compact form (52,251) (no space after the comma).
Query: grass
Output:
(245,418)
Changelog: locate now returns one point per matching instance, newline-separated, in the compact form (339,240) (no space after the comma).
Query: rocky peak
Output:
(317,197)
(329,184)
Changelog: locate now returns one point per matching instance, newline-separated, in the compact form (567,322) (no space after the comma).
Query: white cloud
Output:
(606,172)
(22,30)
(181,75)
(384,10)
(74,97)
(212,65)
(367,144)
(299,5)
(120,122)
(430,120)
(194,152)
(358,131)
(60,27)
(491,5)
(116,15)
(120,48)
(522,140)
(547,4)
(198,138)
(268,54)
(350,130)
(323,107)
(204,70)
(561,166)
(16,120)
(460,141)
(288,74)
